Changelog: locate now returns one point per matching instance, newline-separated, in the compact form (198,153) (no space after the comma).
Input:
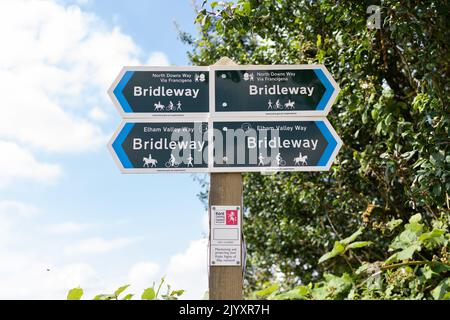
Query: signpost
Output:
(144,92)
(300,144)
(300,90)
(140,146)
(224,119)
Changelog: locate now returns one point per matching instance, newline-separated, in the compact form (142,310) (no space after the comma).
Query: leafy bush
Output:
(406,274)
(148,294)
(393,117)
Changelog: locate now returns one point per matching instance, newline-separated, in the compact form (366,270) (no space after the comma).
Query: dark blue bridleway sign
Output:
(306,144)
(141,146)
(273,90)
(140,92)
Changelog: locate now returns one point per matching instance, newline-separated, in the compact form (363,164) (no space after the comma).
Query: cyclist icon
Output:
(172,163)
(280,161)
(170,107)
(278,104)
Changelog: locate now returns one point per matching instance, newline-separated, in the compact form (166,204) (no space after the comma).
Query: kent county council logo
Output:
(232,217)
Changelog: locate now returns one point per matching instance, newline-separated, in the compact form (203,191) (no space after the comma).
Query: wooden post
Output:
(225,282)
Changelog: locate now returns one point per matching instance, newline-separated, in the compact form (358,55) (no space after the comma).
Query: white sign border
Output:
(166,116)
(278,169)
(155,170)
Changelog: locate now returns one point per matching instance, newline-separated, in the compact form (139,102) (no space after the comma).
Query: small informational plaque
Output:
(225,249)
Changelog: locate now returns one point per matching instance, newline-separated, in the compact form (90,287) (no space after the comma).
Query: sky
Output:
(68,217)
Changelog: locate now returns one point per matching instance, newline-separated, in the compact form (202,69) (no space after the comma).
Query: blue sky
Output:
(64,205)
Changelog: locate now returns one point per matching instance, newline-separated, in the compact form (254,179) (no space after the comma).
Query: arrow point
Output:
(329,89)
(334,143)
(118,91)
(117,145)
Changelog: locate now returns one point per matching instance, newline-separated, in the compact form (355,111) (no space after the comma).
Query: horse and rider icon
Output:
(170,107)
(280,162)
(290,105)
(301,160)
(149,162)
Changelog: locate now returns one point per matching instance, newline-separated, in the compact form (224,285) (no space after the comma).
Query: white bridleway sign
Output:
(235,118)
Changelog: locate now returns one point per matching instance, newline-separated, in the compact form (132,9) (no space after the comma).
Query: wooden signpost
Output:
(224,119)
(226,282)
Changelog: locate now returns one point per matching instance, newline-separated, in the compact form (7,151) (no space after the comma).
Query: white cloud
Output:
(98,114)
(205,222)
(10,214)
(158,58)
(188,270)
(142,275)
(54,74)
(15,208)
(98,245)
(18,162)
(67,228)
(28,276)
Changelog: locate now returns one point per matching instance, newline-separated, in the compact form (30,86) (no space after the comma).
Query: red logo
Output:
(232,216)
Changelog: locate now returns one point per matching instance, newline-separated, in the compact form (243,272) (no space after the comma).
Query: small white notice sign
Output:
(225,233)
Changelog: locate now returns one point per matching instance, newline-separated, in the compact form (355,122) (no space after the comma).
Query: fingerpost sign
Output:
(224,119)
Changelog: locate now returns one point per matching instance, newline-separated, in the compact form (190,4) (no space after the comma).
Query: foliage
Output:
(148,294)
(406,274)
(392,115)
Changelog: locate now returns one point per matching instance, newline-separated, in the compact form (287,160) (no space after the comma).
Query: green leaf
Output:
(441,290)
(75,294)
(439,267)
(267,291)
(393,258)
(338,248)
(338,286)
(363,268)
(352,237)
(128,296)
(432,235)
(121,289)
(404,240)
(358,244)
(394,223)
(298,293)
(408,252)
(105,297)
(428,272)
(415,218)
(246,8)
(177,292)
(148,294)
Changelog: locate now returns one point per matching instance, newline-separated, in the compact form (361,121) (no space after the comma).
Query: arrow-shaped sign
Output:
(140,146)
(140,92)
(301,90)
(304,144)
(291,133)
